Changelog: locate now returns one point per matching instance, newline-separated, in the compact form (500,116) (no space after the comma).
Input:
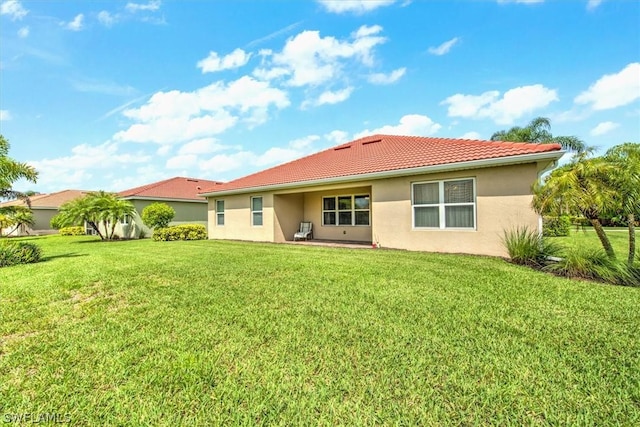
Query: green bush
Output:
(556,226)
(12,253)
(157,215)
(72,231)
(181,232)
(528,247)
(594,264)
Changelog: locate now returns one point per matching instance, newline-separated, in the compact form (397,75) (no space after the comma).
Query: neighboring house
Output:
(44,207)
(405,192)
(179,193)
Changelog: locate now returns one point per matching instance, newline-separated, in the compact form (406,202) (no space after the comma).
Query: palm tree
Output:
(22,218)
(539,131)
(581,187)
(12,171)
(626,180)
(79,211)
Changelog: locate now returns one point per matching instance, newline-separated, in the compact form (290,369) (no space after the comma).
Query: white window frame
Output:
(442,205)
(219,214)
(261,211)
(125,220)
(353,210)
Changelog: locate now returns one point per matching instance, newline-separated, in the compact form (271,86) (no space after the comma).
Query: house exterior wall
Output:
(42,223)
(186,212)
(237,218)
(503,199)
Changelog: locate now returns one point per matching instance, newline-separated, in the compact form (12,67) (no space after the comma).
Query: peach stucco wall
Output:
(503,197)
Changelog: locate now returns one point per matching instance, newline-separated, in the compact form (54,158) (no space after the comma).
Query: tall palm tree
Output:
(22,218)
(539,131)
(12,171)
(580,187)
(626,180)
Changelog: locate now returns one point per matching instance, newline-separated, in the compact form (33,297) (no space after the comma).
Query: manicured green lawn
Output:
(586,237)
(224,333)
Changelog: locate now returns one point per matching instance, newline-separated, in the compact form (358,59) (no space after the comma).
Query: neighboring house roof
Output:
(377,156)
(48,201)
(178,188)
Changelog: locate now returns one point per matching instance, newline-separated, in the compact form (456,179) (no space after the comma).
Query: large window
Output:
(219,212)
(444,204)
(256,211)
(346,210)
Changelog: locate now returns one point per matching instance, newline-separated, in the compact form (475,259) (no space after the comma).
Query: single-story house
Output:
(405,192)
(44,207)
(180,193)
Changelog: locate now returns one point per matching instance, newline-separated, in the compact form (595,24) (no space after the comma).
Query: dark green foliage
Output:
(181,232)
(72,231)
(528,247)
(157,215)
(556,226)
(593,264)
(56,222)
(12,253)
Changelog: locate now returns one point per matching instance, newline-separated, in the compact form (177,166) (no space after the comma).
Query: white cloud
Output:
(152,6)
(5,115)
(444,48)
(386,79)
(76,24)
(182,161)
(353,6)
(14,9)
(337,136)
(604,127)
(23,32)
(202,146)
(309,59)
(174,116)
(411,124)
(471,135)
(107,88)
(77,169)
(593,4)
(613,90)
(514,104)
(213,62)
(330,97)
(107,19)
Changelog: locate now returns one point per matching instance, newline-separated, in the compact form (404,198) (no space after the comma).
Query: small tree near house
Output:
(157,215)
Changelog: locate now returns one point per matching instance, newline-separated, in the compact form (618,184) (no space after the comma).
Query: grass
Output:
(586,237)
(220,333)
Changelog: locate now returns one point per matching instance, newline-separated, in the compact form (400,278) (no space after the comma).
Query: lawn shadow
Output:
(69,255)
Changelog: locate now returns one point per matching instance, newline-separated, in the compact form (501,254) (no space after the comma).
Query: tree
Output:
(98,209)
(626,180)
(157,215)
(578,187)
(12,171)
(539,131)
(22,217)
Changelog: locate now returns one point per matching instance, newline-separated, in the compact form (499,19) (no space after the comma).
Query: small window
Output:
(256,211)
(219,212)
(126,220)
(444,204)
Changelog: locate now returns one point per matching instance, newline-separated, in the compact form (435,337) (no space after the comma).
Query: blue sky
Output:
(114,94)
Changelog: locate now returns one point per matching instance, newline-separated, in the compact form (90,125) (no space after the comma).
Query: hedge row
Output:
(72,231)
(12,253)
(180,232)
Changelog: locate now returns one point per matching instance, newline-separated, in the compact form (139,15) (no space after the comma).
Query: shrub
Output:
(157,215)
(72,231)
(528,247)
(12,253)
(556,226)
(181,232)
(591,263)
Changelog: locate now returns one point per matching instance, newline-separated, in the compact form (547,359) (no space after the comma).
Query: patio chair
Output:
(305,232)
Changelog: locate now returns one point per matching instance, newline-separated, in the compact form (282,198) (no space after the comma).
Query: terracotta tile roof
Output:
(381,153)
(51,200)
(172,188)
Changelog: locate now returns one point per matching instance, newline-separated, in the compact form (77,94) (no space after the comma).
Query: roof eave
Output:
(447,167)
(164,199)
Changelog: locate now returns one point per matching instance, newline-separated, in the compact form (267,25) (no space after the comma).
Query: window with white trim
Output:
(219,212)
(444,204)
(256,211)
(346,210)
(125,220)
